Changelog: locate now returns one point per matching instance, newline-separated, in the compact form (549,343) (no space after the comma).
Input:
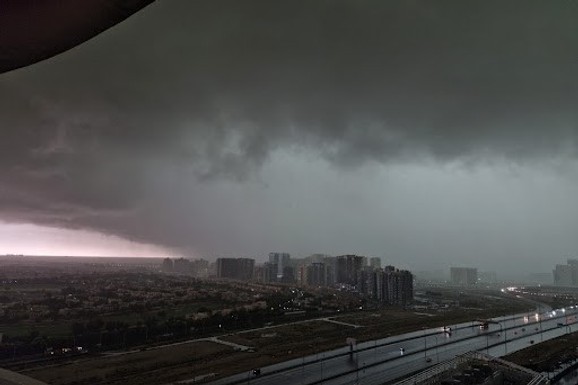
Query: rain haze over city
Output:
(429,134)
(391,167)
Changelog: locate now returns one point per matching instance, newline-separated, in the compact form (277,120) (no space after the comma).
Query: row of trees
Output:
(97,334)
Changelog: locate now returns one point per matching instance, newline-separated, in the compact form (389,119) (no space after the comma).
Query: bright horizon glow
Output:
(34,240)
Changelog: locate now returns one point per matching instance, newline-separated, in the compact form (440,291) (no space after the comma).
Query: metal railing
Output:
(440,371)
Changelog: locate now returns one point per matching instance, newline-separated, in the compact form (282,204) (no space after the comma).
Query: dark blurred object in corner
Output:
(34,30)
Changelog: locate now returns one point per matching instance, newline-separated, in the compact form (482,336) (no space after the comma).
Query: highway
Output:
(379,361)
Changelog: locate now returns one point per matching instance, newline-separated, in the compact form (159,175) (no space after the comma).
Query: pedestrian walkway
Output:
(341,323)
(235,346)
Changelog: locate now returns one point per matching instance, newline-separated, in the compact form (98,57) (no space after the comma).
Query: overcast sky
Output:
(432,134)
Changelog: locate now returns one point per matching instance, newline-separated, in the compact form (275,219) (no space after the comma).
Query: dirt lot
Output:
(153,366)
(186,361)
(546,356)
(294,340)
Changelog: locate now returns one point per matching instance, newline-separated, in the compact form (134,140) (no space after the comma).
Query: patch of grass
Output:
(152,366)
(47,328)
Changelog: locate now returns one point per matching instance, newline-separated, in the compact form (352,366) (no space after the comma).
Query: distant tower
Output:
(167,265)
(347,269)
(281,260)
(464,276)
(375,262)
(236,268)
(316,274)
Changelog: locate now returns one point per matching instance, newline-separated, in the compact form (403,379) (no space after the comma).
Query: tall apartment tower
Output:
(282,260)
(316,274)
(236,268)
(464,276)
(347,269)
(375,262)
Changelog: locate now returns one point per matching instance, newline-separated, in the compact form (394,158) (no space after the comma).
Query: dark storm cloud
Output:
(193,90)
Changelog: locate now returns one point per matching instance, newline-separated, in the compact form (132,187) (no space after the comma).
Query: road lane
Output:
(383,358)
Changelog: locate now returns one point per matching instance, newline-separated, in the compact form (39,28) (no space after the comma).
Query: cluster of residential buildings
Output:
(566,275)
(198,268)
(470,276)
(346,272)
(463,276)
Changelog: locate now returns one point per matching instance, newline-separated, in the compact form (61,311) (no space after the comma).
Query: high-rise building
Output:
(288,275)
(390,286)
(167,265)
(403,287)
(182,266)
(330,270)
(281,260)
(364,280)
(259,273)
(464,276)
(564,275)
(347,269)
(235,268)
(375,262)
(316,274)
(200,268)
(266,273)
(196,267)
(213,269)
(271,270)
(302,274)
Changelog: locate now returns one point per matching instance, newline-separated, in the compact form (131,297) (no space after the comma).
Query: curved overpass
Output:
(376,362)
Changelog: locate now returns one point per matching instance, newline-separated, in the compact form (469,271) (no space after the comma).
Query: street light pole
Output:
(437,350)
(540,322)
(424,344)
(321,368)
(303,370)
(503,330)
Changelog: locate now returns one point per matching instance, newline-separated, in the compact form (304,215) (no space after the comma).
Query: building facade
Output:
(464,276)
(375,262)
(347,269)
(566,275)
(282,260)
(235,268)
(316,274)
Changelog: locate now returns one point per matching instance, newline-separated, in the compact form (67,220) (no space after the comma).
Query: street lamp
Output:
(303,370)
(538,318)
(424,344)
(437,350)
(321,368)
(503,330)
